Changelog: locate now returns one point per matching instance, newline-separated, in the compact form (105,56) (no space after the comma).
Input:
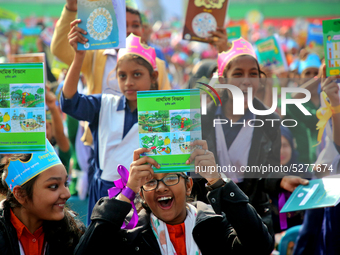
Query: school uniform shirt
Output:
(233,143)
(177,237)
(32,244)
(110,82)
(114,128)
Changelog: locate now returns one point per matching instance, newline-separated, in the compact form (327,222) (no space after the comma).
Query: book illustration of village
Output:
(5,123)
(28,120)
(158,143)
(181,142)
(185,120)
(4,96)
(27,96)
(153,122)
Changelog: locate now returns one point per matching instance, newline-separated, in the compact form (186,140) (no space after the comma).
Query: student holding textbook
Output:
(98,64)
(113,119)
(245,145)
(168,224)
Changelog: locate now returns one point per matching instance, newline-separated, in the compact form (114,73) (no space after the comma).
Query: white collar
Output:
(112,52)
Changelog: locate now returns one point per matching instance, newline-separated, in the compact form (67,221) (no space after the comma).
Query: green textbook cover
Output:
(269,53)
(168,122)
(318,193)
(331,42)
(22,108)
(233,32)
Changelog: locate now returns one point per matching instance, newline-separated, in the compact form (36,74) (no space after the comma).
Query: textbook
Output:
(203,16)
(234,33)
(22,108)
(269,53)
(318,193)
(315,39)
(105,23)
(168,122)
(331,43)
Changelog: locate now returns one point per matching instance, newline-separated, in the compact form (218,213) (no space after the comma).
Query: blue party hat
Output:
(21,172)
(312,60)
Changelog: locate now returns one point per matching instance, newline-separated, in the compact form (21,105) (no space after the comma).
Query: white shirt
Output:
(110,83)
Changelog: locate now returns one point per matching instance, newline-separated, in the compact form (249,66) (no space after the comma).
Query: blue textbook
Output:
(318,193)
(105,23)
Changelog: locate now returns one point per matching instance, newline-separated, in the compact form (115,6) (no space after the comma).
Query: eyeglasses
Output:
(168,180)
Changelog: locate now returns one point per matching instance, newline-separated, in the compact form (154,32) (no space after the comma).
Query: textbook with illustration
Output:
(105,23)
(203,16)
(269,53)
(318,193)
(22,108)
(314,41)
(331,43)
(168,122)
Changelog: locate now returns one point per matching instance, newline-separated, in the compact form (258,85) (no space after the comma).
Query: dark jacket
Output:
(9,240)
(265,150)
(235,228)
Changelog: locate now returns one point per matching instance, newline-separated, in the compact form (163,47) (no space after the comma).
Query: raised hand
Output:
(219,38)
(205,163)
(140,170)
(76,35)
(71,5)
(330,86)
(290,182)
(50,99)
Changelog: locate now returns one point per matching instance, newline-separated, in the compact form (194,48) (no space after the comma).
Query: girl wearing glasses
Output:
(170,225)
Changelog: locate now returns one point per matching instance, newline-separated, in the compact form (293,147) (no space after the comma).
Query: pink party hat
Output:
(134,46)
(239,47)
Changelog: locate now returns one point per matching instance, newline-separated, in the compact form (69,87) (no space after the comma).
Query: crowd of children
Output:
(233,212)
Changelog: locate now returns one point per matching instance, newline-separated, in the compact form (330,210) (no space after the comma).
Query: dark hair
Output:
(62,235)
(140,61)
(206,68)
(261,74)
(135,12)
(27,187)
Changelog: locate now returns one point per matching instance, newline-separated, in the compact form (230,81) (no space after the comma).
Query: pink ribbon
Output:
(283,216)
(120,185)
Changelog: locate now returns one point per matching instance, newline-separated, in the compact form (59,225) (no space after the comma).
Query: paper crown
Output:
(134,46)
(21,172)
(312,60)
(239,47)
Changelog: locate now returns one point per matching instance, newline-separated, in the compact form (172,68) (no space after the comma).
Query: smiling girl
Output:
(242,144)
(170,225)
(112,119)
(33,218)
